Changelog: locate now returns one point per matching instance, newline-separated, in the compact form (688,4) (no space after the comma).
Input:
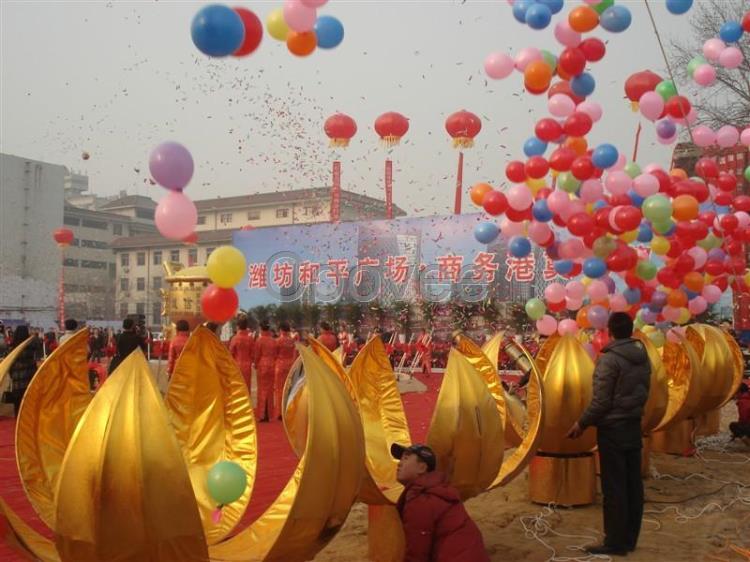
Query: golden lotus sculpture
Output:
(181,299)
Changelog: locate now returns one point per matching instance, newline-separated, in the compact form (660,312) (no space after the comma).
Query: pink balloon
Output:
(314,3)
(176,216)
(597,290)
(645,185)
(651,168)
(745,137)
(573,304)
(298,16)
(565,35)
(571,248)
(519,197)
(618,183)
(510,228)
(699,256)
(703,136)
(670,313)
(527,56)
(561,105)
(743,218)
(575,290)
(651,105)
(676,334)
(558,201)
(546,325)
(591,191)
(592,109)
(712,49)
(731,57)
(711,293)
(539,232)
(574,206)
(498,65)
(567,327)
(171,165)
(617,303)
(727,136)
(620,163)
(704,75)
(697,305)
(554,293)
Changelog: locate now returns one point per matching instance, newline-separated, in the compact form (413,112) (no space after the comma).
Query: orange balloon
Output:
(694,281)
(562,74)
(537,75)
(301,44)
(677,299)
(678,173)
(582,318)
(583,19)
(577,144)
(478,192)
(685,208)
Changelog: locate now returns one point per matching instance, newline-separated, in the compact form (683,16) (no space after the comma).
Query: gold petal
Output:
(339,354)
(316,501)
(466,431)
(738,365)
(716,370)
(24,539)
(52,406)
(658,394)
(124,492)
(681,364)
(9,359)
(294,408)
(210,410)
(515,420)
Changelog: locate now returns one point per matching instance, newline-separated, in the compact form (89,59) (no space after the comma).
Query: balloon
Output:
(712,48)
(730,32)
(478,193)
(329,32)
(705,75)
(575,290)
(176,216)
(578,124)
(498,65)
(590,108)
(627,218)
(546,325)
(534,147)
(526,56)
(226,266)
(703,136)
(554,292)
(541,211)
(485,232)
(537,76)
(538,16)
(561,105)
(583,84)
(646,185)
(539,232)
(298,16)
(510,228)
(572,61)
(567,182)
(665,129)
(745,136)
(536,167)
(226,482)
(565,35)
(567,327)
(679,7)
(519,246)
(694,63)
(519,197)
(253,32)
(616,19)
(698,305)
(727,136)
(535,309)
(583,19)
(554,5)
(678,107)
(711,293)
(684,208)
(666,89)
(171,165)
(520,7)
(314,3)
(276,26)
(598,316)
(651,105)
(594,268)
(548,130)
(217,31)
(731,57)
(217,304)
(604,156)
(593,49)
(301,44)
(494,202)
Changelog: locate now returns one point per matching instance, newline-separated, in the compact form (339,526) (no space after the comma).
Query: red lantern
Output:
(340,129)
(640,83)
(463,126)
(63,237)
(391,127)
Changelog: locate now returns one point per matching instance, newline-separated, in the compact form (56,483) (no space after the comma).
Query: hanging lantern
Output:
(63,237)
(340,128)
(391,127)
(463,126)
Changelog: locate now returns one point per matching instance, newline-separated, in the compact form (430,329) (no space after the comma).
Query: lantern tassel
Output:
(463,142)
(339,143)
(390,140)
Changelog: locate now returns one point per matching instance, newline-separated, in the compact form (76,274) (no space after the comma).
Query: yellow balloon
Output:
(629,236)
(276,25)
(226,266)
(660,246)
(747,278)
(684,316)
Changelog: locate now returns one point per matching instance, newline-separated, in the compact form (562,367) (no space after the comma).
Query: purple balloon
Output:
(598,316)
(609,282)
(648,316)
(666,129)
(171,165)
(659,299)
(716,254)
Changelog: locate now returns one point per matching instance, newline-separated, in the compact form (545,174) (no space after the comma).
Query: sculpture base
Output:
(385,534)
(646,457)
(562,479)
(708,423)
(677,440)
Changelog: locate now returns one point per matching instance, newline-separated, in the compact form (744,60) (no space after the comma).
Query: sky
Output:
(115,79)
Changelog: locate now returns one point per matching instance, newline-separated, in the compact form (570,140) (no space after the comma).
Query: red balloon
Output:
(684,264)
(578,124)
(706,168)
(601,217)
(515,171)
(543,193)
(556,306)
(582,168)
(572,61)
(548,130)
(728,223)
(699,230)
(562,158)
(593,49)
(714,267)
(563,87)
(217,304)
(580,223)
(633,281)
(537,167)
(708,217)
(618,200)
(628,217)
(721,283)
(618,260)
(495,202)
(678,107)
(741,203)
(558,220)
(600,339)
(675,248)
(665,182)
(592,235)
(726,182)
(736,265)
(746,22)
(723,199)
(253,32)
(734,247)
(667,277)
(639,83)
(744,234)
(518,216)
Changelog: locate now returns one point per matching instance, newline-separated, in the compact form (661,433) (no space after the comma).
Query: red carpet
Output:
(276,461)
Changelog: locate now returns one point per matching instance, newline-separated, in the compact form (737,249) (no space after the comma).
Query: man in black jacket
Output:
(127,342)
(621,384)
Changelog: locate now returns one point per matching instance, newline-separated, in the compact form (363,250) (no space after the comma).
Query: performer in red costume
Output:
(327,337)
(286,354)
(265,363)
(241,347)
(424,346)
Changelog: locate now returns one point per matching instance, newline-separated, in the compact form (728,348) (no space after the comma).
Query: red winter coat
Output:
(328,339)
(436,525)
(743,407)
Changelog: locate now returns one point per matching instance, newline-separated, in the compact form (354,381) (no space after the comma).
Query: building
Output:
(139,260)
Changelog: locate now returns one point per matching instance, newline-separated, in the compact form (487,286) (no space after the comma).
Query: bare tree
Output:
(727,101)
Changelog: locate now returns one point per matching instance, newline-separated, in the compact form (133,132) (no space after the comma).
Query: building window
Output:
(157,257)
(70,262)
(282,213)
(225,218)
(91,244)
(144,214)
(140,258)
(308,211)
(157,283)
(100,225)
(253,215)
(156,313)
(92,264)
(208,252)
(192,256)
(140,284)
(174,255)
(125,259)
(123,283)
(123,309)
(117,229)
(140,308)
(72,221)
(201,219)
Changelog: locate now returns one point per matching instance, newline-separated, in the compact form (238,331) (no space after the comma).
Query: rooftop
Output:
(130,201)
(152,240)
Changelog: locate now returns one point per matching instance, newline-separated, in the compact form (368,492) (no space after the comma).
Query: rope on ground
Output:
(718,444)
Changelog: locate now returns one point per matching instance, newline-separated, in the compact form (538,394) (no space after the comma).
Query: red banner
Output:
(388,189)
(336,193)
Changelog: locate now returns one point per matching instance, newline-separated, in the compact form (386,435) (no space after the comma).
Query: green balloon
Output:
(633,170)
(568,182)
(666,89)
(550,59)
(603,5)
(638,322)
(710,242)
(603,246)
(694,63)
(535,308)
(226,482)
(657,208)
(747,173)
(657,338)
(662,227)
(646,270)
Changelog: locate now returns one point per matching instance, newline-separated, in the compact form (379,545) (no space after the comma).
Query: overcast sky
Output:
(116,78)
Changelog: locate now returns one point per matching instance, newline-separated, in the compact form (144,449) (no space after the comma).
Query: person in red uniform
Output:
(285,356)
(437,527)
(343,336)
(741,428)
(327,337)
(424,346)
(265,363)
(177,345)
(241,347)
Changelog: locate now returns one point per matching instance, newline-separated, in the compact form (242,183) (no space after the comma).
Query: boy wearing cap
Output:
(437,527)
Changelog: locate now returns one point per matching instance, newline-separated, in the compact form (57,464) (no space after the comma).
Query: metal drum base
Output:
(708,423)
(677,440)
(562,479)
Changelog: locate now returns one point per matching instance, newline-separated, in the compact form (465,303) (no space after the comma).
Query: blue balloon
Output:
(485,232)
(616,18)
(604,156)
(645,233)
(600,204)
(217,31)
(519,246)
(632,296)
(679,7)
(329,32)
(730,32)
(563,267)
(520,7)
(583,85)
(636,199)
(554,5)
(538,16)
(690,294)
(594,268)
(534,147)
(540,211)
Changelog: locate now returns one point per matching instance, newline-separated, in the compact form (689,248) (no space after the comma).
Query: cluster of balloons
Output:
(537,14)
(171,166)
(226,482)
(226,266)
(724,137)
(220,31)
(716,51)
(299,26)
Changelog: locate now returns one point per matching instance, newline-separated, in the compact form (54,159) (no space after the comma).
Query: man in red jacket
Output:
(741,428)
(436,525)
(241,347)
(286,353)
(327,337)
(265,364)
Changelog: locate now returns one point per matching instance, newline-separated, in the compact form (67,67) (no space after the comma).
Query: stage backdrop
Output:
(435,258)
